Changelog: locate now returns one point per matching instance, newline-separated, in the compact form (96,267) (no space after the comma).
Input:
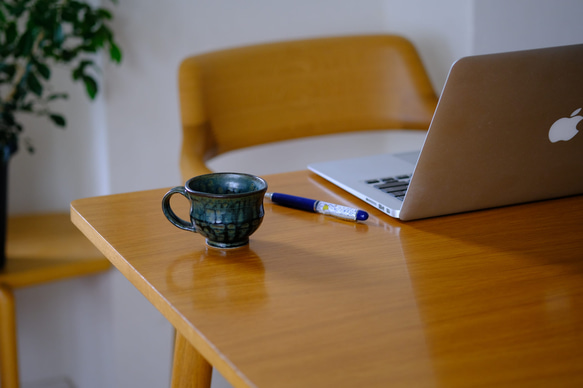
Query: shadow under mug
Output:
(225,208)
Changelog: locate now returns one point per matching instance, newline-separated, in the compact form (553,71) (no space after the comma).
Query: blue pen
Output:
(315,206)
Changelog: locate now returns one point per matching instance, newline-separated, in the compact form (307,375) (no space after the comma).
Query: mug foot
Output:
(236,244)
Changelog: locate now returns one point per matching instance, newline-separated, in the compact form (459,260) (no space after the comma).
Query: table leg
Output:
(190,369)
(8,344)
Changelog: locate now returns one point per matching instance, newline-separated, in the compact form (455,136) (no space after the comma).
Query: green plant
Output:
(36,35)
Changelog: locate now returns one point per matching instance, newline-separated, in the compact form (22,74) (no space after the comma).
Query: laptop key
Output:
(391,184)
(395,189)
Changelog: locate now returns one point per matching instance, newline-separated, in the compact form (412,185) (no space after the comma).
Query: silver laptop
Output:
(505,131)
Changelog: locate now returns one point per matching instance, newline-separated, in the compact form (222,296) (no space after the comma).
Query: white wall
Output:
(441,31)
(129,140)
(502,25)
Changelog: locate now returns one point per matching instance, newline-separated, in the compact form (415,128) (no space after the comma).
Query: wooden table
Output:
(491,298)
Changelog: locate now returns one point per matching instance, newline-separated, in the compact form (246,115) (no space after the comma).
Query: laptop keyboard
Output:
(395,185)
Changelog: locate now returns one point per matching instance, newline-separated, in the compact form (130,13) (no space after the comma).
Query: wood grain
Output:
(490,298)
(189,368)
(9,377)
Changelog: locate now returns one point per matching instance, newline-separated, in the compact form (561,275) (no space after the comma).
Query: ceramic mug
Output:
(225,208)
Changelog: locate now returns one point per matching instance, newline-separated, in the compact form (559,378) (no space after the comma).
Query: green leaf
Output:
(17,9)
(43,70)
(67,55)
(58,36)
(103,13)
(8,69)
(115,52)
(9,8)
(8,118)
(69,14)
(56,96)
(58,120)
(91,46)
(11,33)
(27,107)
(90,86)
(79,71)
(98,38)
(33,84)
(25,43)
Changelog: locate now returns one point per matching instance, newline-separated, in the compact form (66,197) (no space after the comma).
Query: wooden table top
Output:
(491,298)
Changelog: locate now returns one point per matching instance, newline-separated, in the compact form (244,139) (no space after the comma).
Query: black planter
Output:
(6,152)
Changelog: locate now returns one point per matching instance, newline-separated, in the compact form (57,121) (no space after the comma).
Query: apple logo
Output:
(565,128)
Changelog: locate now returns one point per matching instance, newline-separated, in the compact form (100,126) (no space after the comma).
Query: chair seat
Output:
(296,154)
(47,247)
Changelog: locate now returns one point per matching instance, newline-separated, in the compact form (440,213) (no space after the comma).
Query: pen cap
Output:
(361,215)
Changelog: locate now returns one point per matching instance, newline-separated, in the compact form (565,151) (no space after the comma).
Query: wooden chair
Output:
(39,249)
(241,97)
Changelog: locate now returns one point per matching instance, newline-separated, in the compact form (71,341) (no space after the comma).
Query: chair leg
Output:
(190,369)
(8,344)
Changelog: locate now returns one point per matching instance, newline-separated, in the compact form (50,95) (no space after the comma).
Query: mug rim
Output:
(227,195)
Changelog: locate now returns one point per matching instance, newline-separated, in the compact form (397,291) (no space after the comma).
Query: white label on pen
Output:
(330,209)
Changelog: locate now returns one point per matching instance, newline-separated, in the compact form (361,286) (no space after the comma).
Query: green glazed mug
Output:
(225,208)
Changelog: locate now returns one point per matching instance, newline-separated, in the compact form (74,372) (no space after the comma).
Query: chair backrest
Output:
(246,96)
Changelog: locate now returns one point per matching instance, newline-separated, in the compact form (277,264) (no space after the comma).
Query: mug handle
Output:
(169,213)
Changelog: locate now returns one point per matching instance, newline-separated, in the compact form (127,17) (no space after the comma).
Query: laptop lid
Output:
(505,131)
